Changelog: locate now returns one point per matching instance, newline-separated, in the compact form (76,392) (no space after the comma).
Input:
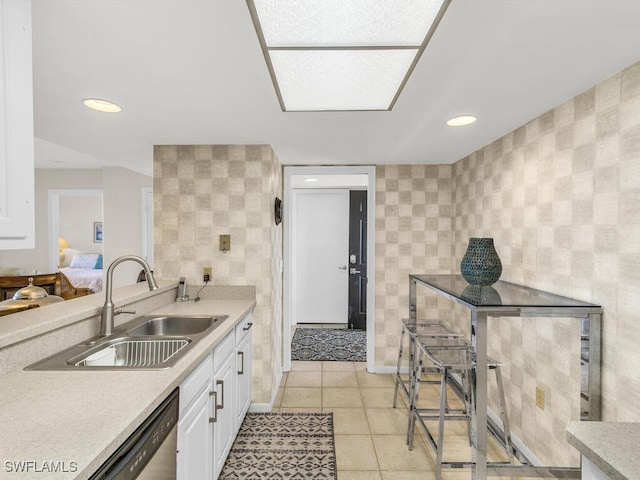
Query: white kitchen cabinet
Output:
(17,213)
(225,427)
(244,361)
(195,439)
(213,402)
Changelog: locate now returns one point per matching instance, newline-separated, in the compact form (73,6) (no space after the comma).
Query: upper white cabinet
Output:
(17,214)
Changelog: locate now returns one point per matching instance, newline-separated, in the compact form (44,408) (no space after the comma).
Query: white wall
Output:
(122,214)
(45,180)
(77,216)
(123,220)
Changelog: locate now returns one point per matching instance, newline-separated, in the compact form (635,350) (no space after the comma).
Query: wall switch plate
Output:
(206,274)
(225,242)
(539,398)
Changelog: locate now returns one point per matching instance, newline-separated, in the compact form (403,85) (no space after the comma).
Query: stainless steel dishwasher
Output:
(150,452)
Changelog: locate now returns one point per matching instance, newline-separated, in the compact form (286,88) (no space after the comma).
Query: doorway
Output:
(84,240)
(326,191)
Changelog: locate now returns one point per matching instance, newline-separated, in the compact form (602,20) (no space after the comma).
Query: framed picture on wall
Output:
(97,232)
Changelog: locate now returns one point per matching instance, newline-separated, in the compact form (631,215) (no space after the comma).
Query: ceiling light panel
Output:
(340,79)
(287,23)
(343,54)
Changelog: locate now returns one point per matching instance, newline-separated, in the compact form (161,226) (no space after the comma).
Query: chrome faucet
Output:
(108,310)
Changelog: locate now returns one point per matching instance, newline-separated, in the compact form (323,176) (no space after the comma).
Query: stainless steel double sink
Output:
(147,342)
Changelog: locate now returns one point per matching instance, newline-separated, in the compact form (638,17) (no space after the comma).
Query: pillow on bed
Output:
(98,263)
(68,255)
(84,260)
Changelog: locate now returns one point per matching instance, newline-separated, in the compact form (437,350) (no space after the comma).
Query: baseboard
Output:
(386,369)
(261,407)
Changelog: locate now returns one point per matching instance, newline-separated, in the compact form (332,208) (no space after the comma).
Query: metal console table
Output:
(504,299)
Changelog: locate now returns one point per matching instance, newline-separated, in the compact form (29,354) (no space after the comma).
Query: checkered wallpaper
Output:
(413,234)
(203,191)
(561,198)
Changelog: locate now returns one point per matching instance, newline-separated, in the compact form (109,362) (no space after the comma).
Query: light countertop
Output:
(611,446)
(74,420)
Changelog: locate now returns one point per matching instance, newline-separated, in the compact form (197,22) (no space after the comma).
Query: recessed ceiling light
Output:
(101,105)
(333,55)
(461,120)
(310,179)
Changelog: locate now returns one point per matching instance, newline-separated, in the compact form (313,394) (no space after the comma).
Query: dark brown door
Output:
(358,260)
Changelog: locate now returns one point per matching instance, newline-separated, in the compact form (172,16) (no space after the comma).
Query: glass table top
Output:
(500,294)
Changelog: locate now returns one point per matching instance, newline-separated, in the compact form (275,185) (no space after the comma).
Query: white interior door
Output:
(321,253)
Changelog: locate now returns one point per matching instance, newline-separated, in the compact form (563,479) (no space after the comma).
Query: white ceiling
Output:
(192,72)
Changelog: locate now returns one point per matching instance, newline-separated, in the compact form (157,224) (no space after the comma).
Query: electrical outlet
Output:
(539,398)
(207,274)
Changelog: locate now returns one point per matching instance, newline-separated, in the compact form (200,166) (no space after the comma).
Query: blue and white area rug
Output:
(328,344)
(283,446)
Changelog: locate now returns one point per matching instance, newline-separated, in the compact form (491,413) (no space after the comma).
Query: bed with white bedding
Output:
(85,271)
(84,277)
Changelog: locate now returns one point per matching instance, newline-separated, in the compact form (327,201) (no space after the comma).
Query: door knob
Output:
(343,267)
(353,271)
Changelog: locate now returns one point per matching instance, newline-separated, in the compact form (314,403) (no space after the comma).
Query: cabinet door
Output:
(243,377)
(195,452)
(17,217)
(224,428)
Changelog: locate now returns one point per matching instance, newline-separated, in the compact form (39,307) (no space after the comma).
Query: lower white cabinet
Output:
(244,361)
(195,440)
(224,428)
(214,399)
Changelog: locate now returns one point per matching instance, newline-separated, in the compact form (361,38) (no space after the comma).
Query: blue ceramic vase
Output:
(481,264)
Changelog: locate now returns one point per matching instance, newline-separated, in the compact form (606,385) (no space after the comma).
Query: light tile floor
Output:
(370,434)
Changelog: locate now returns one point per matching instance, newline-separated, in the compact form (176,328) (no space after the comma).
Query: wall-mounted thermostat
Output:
(225,243)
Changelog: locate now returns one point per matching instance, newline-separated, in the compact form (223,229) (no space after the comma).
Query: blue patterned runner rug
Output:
(329,344)
(283,446)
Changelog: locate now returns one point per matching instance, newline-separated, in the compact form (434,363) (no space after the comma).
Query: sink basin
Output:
(146,342)
(130,352)
(160,326)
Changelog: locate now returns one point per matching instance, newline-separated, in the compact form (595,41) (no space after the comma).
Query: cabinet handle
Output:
(214,419)
(249,325)
(221,383)
(241,371)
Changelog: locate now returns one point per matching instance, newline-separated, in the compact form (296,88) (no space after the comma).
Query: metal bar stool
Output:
(458,357)
(431,332)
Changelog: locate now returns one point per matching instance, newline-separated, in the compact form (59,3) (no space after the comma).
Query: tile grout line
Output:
(366,416)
